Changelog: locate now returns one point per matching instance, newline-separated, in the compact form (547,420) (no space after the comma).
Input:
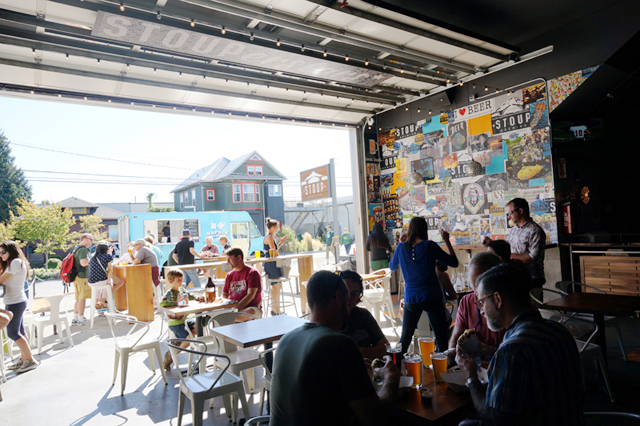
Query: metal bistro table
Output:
(195,307)
(598,304)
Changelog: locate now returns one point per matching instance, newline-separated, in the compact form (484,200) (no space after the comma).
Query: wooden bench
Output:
(613,274)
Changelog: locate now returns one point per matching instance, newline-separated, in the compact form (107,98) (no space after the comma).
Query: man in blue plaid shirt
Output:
(535,377)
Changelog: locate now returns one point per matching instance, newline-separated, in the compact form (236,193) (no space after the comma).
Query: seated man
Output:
(319,374)
(468,315)
(243,284)
(362,327)
(535,376)
(500,248)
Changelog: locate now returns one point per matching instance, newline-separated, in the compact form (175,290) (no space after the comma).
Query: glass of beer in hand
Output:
(413,362)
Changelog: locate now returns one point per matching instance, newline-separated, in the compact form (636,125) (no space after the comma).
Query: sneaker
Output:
(15,365)
(79,322)
(167,361)
(27,366)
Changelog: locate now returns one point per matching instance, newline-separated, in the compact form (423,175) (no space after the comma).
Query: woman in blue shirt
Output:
(417,258)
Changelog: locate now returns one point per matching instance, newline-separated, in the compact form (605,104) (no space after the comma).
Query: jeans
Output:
(347,248)
(191,275)
(437,317)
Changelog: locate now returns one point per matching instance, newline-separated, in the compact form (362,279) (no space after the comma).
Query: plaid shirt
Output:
(529,239)
(536,373)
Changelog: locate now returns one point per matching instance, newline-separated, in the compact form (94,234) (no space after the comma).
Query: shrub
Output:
(292,245)
(43,274)
(55,263)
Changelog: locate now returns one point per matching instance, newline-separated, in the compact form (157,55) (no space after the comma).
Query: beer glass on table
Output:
(395,350)
(439,362)
(413,362)
(427,346)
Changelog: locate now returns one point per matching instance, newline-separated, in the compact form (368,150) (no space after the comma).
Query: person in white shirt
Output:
(14,271)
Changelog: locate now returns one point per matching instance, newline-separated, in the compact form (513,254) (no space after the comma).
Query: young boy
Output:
(177,322)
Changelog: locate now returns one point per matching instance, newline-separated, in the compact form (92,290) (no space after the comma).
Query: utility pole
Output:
(334,205)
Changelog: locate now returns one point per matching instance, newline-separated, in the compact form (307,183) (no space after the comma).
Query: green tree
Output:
(6,232)
(13,184)
(47,227)
(89,224)
(150,197)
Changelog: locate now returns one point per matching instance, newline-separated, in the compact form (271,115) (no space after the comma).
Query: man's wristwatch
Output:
(470,380)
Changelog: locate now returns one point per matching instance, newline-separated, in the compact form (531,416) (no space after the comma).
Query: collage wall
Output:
(430,168)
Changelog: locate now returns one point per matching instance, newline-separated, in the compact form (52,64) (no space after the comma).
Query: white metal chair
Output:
(378,296)
(565,286)
(130,343)
(37,320)
(258,421)
(591,351)
(95,289)
(265,383)
(206,385)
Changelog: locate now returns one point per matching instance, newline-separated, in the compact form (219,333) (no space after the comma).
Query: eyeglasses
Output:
(479,301)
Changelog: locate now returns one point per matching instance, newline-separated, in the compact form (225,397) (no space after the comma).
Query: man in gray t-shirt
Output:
(146,256)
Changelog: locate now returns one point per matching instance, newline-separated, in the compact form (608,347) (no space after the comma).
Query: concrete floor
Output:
(72,385)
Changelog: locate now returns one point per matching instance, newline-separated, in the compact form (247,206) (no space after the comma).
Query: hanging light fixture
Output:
(121,7)
(223,30)
(192,23)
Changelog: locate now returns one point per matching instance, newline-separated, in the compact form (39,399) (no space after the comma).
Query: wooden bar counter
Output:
(136,295)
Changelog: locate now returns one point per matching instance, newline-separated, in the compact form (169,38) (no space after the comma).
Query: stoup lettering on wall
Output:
(143,33)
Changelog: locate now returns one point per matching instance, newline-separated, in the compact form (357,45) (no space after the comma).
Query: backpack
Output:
(68,272)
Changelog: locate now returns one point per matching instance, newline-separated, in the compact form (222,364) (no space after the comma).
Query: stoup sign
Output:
(314,183)
(511,122)
(143,33)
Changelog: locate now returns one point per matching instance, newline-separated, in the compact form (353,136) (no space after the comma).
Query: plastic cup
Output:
(427,346)
(413,362)
(439,362)
(257,254)
(273,252)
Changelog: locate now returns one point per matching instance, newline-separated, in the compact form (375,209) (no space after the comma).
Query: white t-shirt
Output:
(14,286)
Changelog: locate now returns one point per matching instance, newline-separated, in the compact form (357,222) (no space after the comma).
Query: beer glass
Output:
(395,350)
(439,362)
(413,362)
(427,346)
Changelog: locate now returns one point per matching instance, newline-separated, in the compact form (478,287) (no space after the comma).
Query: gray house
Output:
(247,183)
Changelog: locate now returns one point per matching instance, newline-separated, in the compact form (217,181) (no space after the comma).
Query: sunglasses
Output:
(3,252)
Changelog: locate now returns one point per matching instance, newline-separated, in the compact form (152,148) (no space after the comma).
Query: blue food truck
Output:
(166,229)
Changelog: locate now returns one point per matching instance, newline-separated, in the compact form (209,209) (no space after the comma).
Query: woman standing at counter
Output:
(101,272)
(417,258)
(379,247)
(270,268)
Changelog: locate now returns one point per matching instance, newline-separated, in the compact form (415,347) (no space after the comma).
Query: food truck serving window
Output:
(170,231)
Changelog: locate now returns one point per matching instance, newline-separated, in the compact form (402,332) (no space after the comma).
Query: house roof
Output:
(108,213)
(74,202)
(222,169)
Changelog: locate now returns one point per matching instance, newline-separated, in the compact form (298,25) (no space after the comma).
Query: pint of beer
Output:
(427,346)
(413,362)
(439,361)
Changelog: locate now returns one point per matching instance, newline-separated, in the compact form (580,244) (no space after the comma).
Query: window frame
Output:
(277,193)
(213,191)
(241,185)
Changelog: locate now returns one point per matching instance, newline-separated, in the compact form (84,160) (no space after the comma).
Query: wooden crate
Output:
(613,274)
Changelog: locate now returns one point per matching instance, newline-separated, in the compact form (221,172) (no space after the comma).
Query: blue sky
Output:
(169,145)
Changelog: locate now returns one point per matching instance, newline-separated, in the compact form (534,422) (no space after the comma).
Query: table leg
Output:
(600,339)
(305,270)
(268,359)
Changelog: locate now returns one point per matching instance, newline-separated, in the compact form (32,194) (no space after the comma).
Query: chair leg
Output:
(245,407)
(226,401)
(115,367)
(124,363)
(92,306)
(40,331)
(251,379)
(180,407)
(197,408)
(616,325)
(158,352)
(65,320)
(605,376)
(152,363)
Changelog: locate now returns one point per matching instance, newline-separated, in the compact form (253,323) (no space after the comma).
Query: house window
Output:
(211,194)
(275,190)
(193,196)
(257,193)
(254,170)
(237,193)
(186,197)
(248,193)
(181,201)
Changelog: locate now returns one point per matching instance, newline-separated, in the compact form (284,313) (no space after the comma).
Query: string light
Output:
(155,71)
(223,30)
(346,58)
(448,81)
(474,85)
(418,110)
(127,64)
(406,109)
(366,62)
(121,7)
(429,112)
(486,89)
(251,37)
(302,47)
(99,62)
(497,90)
(67,56)
(401,70)
(278,42)
(193,24)
(325,54)
(33,51)
(461,83)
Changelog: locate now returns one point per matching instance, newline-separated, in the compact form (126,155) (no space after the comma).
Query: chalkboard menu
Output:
(193,226)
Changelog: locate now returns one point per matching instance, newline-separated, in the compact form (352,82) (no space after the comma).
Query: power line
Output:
(99,158)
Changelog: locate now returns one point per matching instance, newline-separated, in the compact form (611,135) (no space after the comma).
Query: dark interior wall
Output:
(583,34)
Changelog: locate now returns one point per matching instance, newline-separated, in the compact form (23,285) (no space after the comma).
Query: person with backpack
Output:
(81,257)
(14,270)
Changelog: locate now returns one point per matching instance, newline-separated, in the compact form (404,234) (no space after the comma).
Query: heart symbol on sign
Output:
(462,111)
